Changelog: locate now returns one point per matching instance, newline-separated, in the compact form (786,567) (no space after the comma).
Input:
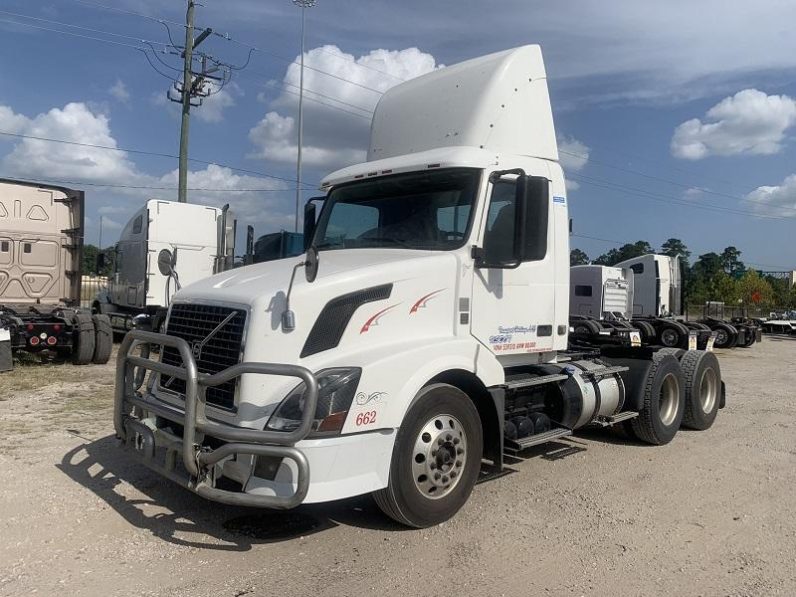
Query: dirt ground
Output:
(712,513)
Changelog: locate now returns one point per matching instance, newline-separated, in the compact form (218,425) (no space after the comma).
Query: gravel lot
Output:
(712,513)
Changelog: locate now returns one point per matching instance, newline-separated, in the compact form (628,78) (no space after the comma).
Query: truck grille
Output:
(193,323)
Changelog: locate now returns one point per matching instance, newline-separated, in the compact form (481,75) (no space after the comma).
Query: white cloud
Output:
(74,122)
(693,193)
(749,122)
(275,137)
(573,155)
(776,200)
(253,198)
(119,91)
(11,122)
(337,106)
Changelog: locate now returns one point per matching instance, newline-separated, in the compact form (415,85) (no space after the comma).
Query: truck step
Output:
(618,418)
(518,384)
(604,372)
(517,445)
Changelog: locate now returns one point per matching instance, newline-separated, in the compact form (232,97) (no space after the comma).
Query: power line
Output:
(81,27)
(645,194)
(127,12)
(107,41)
(660,179)
(142,187)
(296,62)
(144,152)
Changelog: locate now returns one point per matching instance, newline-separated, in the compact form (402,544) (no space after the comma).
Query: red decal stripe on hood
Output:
(422,302)
(374,320)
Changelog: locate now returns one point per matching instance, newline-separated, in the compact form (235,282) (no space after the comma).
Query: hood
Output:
(345,283)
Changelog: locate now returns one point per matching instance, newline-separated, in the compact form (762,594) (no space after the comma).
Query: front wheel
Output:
(436,458)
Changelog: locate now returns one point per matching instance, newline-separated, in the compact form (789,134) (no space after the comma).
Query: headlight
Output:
(336,389)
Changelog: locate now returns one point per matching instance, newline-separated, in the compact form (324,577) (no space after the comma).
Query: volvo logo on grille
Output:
(198,345)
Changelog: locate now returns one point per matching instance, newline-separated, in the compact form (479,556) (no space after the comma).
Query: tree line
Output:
(711,277)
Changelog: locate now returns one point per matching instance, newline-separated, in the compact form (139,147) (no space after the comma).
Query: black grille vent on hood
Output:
(333,319)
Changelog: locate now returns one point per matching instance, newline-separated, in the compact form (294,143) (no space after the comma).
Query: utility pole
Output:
(192,86)
(304,5)
(187,83)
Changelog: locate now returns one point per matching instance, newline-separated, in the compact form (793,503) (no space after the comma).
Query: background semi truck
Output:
(423,333)
(603,300)
(199,241)
(41,248)
(658,300)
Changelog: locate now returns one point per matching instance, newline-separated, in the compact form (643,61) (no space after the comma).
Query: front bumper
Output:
(139,422)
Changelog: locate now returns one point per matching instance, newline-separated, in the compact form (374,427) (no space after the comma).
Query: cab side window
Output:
(500,235)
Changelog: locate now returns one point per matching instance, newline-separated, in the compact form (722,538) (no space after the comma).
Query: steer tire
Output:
(647,330)
(727,335)
(663,402)
(84,339)
(587,327)
(103,339)
(673,335)
(702,389)
(409,498)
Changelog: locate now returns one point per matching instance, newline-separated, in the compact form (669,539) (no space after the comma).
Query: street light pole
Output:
(304,5)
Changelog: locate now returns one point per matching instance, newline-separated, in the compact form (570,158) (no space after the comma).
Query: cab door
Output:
(513,294)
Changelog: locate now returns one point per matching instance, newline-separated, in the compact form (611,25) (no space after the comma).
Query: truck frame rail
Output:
(141,435)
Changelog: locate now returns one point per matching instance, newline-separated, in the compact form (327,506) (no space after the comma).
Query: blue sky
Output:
(677,118)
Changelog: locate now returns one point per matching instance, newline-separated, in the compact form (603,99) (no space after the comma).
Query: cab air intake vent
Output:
(334,318)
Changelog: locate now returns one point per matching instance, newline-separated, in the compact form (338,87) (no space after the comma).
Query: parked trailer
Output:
(602,301)
(657,299)
(41,249)
(165,244)
(424,330)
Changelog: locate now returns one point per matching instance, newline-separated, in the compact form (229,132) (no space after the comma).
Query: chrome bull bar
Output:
(197,460)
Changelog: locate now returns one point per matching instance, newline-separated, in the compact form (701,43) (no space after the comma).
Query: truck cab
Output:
(424,329)
(199,239)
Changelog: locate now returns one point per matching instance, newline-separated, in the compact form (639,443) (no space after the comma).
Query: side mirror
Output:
(249,257)
(166,262)
(519,232)
(102,261)
(309,223)
(311,264)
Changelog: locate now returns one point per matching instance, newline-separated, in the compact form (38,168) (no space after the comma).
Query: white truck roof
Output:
(495,104)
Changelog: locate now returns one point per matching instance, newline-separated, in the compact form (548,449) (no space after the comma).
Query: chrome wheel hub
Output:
(708,390)
(439,456)
(669,399)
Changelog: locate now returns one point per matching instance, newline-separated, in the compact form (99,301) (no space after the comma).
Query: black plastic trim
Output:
(333,319)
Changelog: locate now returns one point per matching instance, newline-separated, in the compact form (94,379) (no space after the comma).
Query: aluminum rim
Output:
(669,338)
(708,390)
(669,399)
(439,456)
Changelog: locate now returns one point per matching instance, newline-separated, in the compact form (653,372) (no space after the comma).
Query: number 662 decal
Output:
(366,418)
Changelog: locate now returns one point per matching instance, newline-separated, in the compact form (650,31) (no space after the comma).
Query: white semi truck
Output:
(41,252)
(644,293)
(658,301)
(199,241)
(423,332)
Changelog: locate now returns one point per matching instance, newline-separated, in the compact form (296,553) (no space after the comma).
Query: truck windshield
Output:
(425,211)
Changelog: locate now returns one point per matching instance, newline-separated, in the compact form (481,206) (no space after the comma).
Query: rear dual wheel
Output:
(663,402)
(436,458)
(702,389)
